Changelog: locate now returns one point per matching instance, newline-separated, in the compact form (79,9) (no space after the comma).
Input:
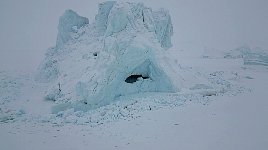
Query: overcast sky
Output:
(29,27)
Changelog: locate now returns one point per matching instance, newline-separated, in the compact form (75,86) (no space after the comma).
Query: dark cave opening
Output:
(134,78)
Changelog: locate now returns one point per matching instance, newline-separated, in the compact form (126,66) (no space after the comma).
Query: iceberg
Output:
(122,52)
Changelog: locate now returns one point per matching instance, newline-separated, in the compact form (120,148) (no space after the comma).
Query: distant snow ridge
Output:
(250,56)
(122,52)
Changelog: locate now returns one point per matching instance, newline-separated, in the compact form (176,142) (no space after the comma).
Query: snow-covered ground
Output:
(221,101)
(230,121)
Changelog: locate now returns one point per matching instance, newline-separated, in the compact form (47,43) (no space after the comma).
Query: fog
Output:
(29,27)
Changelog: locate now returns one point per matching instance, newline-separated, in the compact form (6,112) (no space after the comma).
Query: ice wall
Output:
(114,17)
(163,27)
(102,17)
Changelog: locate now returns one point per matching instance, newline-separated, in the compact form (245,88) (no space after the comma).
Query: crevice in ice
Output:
(135,78)
(95,54)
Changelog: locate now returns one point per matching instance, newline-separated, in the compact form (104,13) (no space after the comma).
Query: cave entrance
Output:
(134,78)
